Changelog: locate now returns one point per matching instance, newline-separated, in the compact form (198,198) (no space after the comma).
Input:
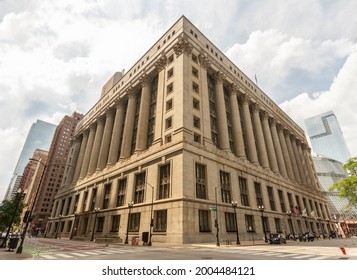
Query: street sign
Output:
(213,209)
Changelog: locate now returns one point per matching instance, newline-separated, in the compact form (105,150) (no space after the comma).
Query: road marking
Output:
(64,256)
(49,257)
(291,255)
(301,257)
(78,254)
(319,258)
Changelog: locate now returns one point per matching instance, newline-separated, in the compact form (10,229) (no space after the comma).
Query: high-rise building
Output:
(326,136)
(53,173)
(39,137)
(185,148)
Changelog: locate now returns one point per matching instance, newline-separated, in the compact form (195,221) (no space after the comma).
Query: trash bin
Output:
(13,243)
(145,236)
(135,240)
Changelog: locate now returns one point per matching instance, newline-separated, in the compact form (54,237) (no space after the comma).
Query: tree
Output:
(7,211)
(347,188)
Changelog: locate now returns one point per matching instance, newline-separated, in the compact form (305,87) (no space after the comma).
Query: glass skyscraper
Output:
(326,137)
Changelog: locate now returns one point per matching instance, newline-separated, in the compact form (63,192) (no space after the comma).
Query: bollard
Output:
(343,250)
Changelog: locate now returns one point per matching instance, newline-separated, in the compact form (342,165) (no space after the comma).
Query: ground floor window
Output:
(249,222)
(115,223)
(134,224)
(100,224)
(160,222)
(230,222)
(204,218)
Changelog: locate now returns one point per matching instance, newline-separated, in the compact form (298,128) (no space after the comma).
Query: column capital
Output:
(233,89)
(204,61)
(255,107)
(145,80)
(273,122)
(119,103)
(131,92)
(182,46)
(244,98)
(219,77)
(160,64)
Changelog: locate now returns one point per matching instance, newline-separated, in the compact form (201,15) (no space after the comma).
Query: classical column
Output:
(310,167)
(104,149)
(81,155)
(263,156)
(305,175)
(248,128)
(117,133)
(96,145)
(73,161)
(236,124)
(278,149)
(143,122)
(88,152)
(222,127)
(129,126)
(298,160)
(292,156)
(285,151)
(206,121)
(269,143)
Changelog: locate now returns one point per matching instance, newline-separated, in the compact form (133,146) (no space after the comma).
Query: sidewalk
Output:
(8,255)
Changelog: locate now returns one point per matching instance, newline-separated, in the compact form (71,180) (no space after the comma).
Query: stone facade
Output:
(179,137)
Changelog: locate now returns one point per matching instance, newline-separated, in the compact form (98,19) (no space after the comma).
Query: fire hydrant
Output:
(343,250)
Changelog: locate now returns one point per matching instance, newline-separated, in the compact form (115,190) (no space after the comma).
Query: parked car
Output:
(277,238)
(310,236)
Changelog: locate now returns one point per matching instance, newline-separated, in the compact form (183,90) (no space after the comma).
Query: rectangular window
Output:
(281,200)
(258,193)
(195,87)
(85,201)
(107,189)
(170,88)
(194,58)
(170,73)
(278,225)
(244,196)
(196,104)
(168,105)
(204,218)
(271,198)
(115,223)
(201,181)
(290,199)
(225,187)
(76,199)
(160,222)
(134,225)
(194,72)
(230,222)
(168,123)
(249,223)
(94,197)
(100,224)
(196,122)
(197,138)
(164,188)
(170,59)
(121,192)
(139,188)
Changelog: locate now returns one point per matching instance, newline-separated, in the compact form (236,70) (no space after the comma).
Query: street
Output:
(62,249)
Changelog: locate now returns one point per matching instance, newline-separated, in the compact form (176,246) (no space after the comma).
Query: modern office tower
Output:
(182,147)
(39,137)
(55,167)
(326,136)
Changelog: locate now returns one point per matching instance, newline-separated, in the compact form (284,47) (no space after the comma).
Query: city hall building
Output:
(185,148)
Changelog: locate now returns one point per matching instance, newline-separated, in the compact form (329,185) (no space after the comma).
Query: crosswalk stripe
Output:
(319,258)
(49,257)
(78,254)
(64,256)
(91,253)
(300,257)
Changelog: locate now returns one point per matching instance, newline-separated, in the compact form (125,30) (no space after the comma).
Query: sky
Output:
(55,56)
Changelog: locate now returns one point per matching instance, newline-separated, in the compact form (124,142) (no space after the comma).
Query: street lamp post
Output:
(96,210)
(58,225)
(23,235)
(130,205)
(291,221)
(151,213)
(19,196)
(216,220)
(234,205)
(261,209)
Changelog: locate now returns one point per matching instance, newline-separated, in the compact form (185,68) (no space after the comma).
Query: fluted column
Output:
(298,160)
(104,149)
(129,126)
(309,165)
(81,155)
(278,149)
(73,161)
(117,133)
(96,145)
(292,156)
(236,124)
(263,156)
(222,127)
(88,152)
(269,143)
(306,176)
(285,151)
(143,122)
(248,128)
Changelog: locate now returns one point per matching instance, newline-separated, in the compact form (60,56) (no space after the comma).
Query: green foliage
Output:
(7,211)
(347,188)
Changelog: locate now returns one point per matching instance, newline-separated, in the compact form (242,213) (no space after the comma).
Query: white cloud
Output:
(340,98)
